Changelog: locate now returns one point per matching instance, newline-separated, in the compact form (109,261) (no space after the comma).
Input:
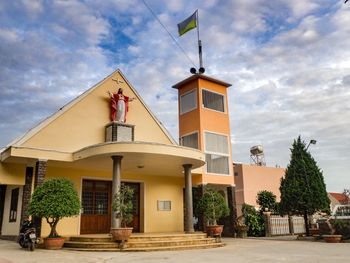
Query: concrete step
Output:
(77,244)
(107,238)
(142,242)
(138,243)
(171,248)
(149,249)
(169,243)
(160,237)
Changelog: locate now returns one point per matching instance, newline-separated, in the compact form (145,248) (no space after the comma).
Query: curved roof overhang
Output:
(142,157)
(138,157)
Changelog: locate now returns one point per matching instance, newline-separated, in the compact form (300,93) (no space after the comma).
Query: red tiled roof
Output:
(343,199)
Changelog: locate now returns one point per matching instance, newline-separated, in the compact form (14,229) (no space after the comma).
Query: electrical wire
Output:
(173,38)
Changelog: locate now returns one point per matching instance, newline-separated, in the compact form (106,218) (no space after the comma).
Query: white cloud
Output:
(288,61)
(8,36)
(33,7)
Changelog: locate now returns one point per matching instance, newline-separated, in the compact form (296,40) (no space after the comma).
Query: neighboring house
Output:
(79,142)
(250,179)
(338,199)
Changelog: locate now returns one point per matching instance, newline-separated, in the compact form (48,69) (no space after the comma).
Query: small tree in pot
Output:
(53,200)
(123,206)
(213,207)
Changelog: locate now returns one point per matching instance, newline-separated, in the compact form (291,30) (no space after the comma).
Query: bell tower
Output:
(204,124)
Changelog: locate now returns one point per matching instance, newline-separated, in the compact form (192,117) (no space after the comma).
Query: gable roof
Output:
(31,132)
(340,197)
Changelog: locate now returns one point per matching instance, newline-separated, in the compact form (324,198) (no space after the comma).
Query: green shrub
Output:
(122,204)
(342,227)
(254,221)
(213,206)
(266,200)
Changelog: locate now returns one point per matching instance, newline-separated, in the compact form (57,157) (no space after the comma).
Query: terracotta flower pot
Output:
(314,231)
(242,231)
(214,230)
(53,242)
(332,238)
(121,234)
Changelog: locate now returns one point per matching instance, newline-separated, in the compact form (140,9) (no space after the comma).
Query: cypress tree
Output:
(303,191)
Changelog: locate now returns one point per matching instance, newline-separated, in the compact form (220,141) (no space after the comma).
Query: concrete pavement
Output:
(236,250)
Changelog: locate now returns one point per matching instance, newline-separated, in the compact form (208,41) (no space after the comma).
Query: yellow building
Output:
(79,142)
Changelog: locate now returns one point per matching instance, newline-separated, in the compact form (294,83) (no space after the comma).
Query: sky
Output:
(288,63)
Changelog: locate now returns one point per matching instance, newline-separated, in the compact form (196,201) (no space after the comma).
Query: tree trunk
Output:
(53,224)
(306,221)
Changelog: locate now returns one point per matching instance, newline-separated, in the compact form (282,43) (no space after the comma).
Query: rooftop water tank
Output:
(256,150)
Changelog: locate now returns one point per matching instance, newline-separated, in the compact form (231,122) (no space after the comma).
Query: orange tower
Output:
(204,124)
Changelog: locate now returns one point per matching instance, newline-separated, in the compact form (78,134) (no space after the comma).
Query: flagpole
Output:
(199,43)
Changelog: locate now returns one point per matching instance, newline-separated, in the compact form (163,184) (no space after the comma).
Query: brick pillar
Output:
(229,229)
(198,195)
(27,193)
(40,172)
(267,217)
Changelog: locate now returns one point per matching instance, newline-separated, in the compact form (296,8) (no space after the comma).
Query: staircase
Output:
(143,242)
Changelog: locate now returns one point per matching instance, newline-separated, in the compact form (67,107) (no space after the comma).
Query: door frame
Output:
(142,202)
(109,202)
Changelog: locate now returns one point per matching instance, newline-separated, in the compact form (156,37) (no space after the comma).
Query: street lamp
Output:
(311,142)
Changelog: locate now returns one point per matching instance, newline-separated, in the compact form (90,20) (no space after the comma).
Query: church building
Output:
(87,142)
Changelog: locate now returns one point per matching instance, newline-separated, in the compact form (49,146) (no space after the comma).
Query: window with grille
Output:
(214,101)
(95,197)
(216,153)
(190,140)
(188,101)
(13,205)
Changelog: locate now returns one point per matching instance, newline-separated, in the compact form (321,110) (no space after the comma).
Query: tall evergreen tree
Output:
(303,190)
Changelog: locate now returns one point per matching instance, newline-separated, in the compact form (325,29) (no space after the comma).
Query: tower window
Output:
(214,101)
(190,140)
(188,101)
(216,153)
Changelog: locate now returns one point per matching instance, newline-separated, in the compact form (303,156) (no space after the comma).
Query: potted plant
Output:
(213,206)
(241,227)
(53,200)
(332,237)
(123,206)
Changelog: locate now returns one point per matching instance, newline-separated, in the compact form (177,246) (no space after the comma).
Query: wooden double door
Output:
(97,209)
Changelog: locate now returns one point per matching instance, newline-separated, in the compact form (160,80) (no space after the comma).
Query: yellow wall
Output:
(162,188)
(83,124)
(11,228)
(154,188)
(12,174)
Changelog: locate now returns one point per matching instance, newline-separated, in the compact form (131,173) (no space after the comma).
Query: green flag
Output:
(187,24)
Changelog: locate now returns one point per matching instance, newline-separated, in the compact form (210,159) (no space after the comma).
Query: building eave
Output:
(200,76)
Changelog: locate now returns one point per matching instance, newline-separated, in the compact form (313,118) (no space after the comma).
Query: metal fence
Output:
(279,225)
(298,225)
(284,225)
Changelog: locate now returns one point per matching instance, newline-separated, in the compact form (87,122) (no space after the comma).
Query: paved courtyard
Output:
(236,250)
